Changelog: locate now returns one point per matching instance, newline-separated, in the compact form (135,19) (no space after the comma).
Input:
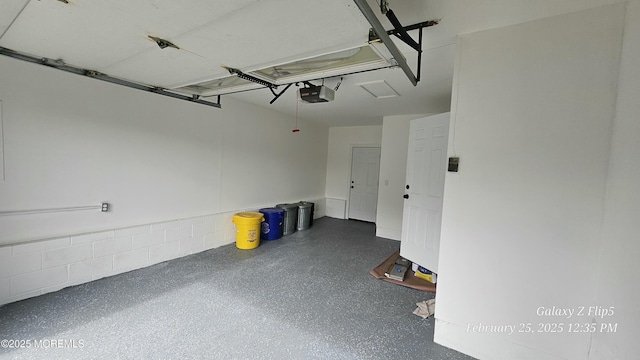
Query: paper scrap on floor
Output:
(425,308)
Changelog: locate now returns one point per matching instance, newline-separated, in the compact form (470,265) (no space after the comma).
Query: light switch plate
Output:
(453,164)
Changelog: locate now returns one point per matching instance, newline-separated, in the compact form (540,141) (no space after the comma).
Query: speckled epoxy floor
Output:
(308,295)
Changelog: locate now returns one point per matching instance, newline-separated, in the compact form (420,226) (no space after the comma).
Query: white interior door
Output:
(426,166)
(365,171)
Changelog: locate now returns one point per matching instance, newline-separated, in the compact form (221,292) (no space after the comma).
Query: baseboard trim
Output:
(388,233)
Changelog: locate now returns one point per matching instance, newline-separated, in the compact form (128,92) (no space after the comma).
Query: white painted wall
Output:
(393,168)
(341,140)
(523,217)
(74,141)
(1,146)
(618,267)
(265,163)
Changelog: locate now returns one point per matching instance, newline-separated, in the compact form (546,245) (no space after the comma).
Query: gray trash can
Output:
(304,215)
(290,219)
(313,206)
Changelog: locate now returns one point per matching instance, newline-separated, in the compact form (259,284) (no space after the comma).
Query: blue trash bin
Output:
(272,226)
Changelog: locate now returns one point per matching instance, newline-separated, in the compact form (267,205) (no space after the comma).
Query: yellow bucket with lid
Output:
(248,229)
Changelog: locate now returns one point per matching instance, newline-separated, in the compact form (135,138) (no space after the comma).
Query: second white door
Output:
(424,191)
(365,171)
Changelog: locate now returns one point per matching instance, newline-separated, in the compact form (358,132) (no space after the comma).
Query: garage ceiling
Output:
(278,40)
(113,36)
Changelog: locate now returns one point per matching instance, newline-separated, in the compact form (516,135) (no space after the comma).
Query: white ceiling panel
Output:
(309,39)
(165,67)
(341,62)
(323,66)
(10,10)
(226,84)
(96,34)
(113,36)
(279,31)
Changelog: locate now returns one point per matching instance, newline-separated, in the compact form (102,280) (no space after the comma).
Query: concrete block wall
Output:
(36,268)
(40,267)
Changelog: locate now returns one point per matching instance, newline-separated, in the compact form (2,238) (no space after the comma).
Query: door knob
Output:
(352,186)
(407,187)
(406,196)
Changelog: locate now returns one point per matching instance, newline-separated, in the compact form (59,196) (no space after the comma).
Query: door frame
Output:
(348,182)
